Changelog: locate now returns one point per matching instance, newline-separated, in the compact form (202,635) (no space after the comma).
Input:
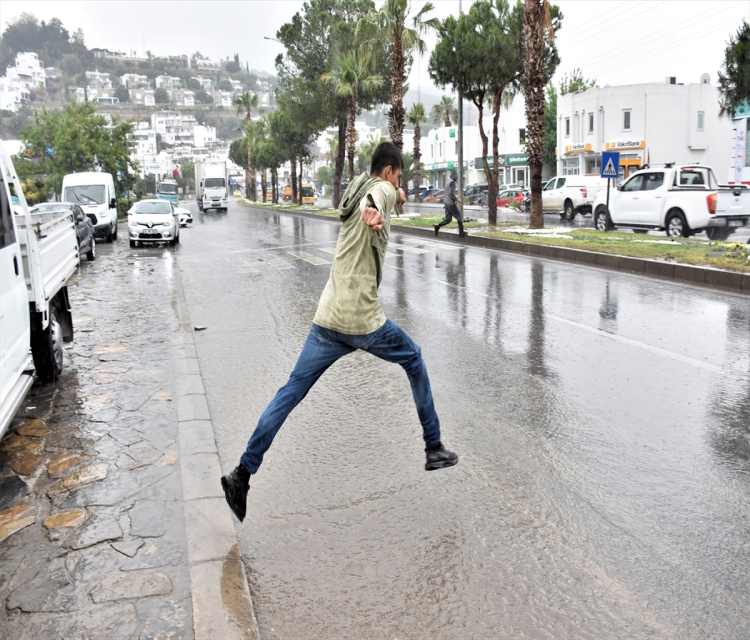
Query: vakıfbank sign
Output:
(618,145)
(578,148)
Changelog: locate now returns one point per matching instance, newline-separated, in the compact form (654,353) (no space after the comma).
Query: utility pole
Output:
(460,137)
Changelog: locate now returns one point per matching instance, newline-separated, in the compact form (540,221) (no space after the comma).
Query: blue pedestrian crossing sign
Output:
(610,164)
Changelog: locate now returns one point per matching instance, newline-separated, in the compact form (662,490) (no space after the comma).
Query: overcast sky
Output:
(614,41)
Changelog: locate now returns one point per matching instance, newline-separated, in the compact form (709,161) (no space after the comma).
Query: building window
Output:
(626,120)
(701,115)
(567,127)
(521,136)
(591,123)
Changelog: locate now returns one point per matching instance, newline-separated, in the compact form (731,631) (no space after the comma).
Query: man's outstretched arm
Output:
(372,218)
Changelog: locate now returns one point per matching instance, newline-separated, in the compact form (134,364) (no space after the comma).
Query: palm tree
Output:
(537,23)
(416,117)
(352,77)
(245,104)
(391,23)
(366,151)
(256,133)
(445,111)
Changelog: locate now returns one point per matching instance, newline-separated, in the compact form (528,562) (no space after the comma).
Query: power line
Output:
(638,15)
(629,3)
(609,18)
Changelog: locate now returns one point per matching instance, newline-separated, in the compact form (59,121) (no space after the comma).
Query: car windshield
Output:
(85,194)
(168,188)
(307,192)
(48,208)
(213,183)
(153,206)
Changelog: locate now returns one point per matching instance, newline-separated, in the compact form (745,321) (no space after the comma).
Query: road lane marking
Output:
(640,345)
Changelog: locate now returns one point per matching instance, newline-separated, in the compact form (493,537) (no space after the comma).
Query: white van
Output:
(94,191)
(569,195)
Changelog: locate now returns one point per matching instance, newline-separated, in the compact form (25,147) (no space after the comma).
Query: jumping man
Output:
(349,317)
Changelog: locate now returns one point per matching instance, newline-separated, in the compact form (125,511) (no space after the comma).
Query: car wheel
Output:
(47,348)
(109,234)
(570,212)
(714,233)
(640,231)
(523,207)
(600,219)
(177,238)
(132,244)
(114,232)
(677,226)
(91,255)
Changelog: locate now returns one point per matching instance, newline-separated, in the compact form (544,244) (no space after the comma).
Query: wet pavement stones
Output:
(99,470)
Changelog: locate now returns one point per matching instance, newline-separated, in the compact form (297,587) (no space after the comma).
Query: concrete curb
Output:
(222,605)
(707,276)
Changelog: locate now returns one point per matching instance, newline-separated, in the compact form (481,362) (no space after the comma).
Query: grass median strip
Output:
(721,255)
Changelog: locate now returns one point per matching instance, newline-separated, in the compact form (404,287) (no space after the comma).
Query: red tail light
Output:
(584,193)
(711,201)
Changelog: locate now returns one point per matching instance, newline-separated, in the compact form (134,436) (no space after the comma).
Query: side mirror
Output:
(619,187)
(112,203)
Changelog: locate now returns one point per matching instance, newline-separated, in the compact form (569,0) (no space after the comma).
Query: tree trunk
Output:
(294,180)
(253,189)
(263,184)
(447,120)
(340,156)
(491,197)
(247,183)
(397,114)
(299,189)
(274,186)
(492,183)
(534,82)
(417,163)
(351,140)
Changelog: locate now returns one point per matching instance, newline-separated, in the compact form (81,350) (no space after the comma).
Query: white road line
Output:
(640,345)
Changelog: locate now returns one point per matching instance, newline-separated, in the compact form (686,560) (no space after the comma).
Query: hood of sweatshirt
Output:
(353,195)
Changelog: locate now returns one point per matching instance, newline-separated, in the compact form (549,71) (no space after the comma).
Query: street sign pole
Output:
(610,171)
(460,140)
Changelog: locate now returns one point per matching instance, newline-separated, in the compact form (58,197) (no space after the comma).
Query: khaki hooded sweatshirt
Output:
(350,303)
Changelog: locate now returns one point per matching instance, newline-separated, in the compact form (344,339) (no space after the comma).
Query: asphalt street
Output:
(601,418)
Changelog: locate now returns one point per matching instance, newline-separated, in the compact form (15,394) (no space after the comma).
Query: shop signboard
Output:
(630,143)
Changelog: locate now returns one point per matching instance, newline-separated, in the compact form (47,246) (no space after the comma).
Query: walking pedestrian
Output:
(349,317)
(451,202)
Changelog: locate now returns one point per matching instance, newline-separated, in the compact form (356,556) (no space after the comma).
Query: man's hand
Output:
(403,197)
(372,218)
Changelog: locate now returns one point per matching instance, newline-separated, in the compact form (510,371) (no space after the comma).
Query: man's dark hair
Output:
(386,155)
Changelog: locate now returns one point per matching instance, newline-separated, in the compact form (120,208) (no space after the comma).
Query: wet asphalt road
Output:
(602,421)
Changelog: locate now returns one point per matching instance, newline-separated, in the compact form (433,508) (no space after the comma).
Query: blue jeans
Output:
(322,348)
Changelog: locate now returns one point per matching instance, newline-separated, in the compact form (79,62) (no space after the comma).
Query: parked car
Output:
(94,192)
(153,221)
(732,211)
(436,197)
(237,193)
(504,198)
(424,195)
(183,215)
(678,199)
(84,227)
(569,195)
(308,195)
(474,191)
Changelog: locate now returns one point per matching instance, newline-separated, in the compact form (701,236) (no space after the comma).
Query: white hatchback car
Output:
(151,221)
(184,215)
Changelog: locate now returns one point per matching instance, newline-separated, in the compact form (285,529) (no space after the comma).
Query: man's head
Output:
(454,174)
(387,163)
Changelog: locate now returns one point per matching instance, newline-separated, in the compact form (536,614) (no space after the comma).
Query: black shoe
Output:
(463,234)
(235,487)
(437,228)
(438,457)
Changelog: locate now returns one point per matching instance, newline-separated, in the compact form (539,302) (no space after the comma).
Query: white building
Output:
(222,98)
(97,80)
(13,91)
(144,139)
(169,83)
(203,136)
(647,123)
(183,98)
(206,83)
(143,96)
(30,70)
(134,81)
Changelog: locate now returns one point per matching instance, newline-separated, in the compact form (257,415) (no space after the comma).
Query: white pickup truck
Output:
(678,199)
(732,211)
(569,195)
(38,254)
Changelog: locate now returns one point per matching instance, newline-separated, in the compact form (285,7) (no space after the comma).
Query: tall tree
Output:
(445,111)
(245,104)
(734,83)
(392,22)
(417,117)
(351,78)
(539,33)
(256,133)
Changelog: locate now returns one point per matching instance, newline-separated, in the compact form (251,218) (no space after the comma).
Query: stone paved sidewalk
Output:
(112,521)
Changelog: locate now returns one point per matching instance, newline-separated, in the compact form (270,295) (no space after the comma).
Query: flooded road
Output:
(602,421)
